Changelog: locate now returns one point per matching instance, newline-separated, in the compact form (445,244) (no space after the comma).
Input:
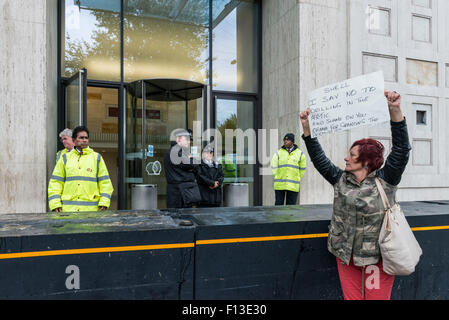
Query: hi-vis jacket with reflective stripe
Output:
(60,153)
(80,182)
(288,168)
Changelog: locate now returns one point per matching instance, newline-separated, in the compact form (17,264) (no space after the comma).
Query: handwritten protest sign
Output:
(353,103)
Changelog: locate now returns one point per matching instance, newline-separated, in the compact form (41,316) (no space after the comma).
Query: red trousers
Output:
(364,283)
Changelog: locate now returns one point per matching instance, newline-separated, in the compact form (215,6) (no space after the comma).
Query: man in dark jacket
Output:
(182,189)
(210,178)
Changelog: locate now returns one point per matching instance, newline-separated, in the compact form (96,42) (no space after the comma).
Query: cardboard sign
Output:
(353,103)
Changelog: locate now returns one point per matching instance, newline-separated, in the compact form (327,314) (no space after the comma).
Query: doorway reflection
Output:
(169,104)
(102,122)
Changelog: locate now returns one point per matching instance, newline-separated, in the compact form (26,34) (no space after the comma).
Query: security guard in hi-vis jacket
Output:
(288,166)
(80,179)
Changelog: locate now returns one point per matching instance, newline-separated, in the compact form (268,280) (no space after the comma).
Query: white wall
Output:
(280,75)
(28,94)
(409,41)
(304,47)
(324,56)
(331,40)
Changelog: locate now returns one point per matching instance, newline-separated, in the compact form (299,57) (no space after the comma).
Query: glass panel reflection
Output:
(102,122)
(166,39)
(73,102)
(234,45)
(90,33)
(163,113)
(239,159)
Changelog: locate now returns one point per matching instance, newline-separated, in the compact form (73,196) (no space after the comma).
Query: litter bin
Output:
(236,195)
(143,196)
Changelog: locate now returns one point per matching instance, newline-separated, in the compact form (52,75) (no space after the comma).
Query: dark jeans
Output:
(280,195)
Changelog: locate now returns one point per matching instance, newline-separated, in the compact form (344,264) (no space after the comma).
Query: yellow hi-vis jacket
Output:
(229,166)
(288,168)
(80,182)
(60,153)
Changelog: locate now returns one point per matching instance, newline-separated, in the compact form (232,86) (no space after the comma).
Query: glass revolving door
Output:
(156,107)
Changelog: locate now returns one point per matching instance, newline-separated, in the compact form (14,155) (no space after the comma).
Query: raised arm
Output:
(398,158)
(325,167)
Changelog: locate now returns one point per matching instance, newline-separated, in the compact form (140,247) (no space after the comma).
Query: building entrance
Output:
(156,107)
(97,108)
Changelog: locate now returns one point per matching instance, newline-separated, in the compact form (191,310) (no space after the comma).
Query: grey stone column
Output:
(28,103)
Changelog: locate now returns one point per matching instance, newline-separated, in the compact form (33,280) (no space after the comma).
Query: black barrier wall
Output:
(208,253)
(114,256)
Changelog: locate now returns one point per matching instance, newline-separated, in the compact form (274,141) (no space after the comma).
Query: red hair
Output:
(371,153)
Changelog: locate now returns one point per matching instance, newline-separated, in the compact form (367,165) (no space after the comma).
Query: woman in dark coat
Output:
(210,179)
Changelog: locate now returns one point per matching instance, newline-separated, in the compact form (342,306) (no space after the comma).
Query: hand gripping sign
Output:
(353,103)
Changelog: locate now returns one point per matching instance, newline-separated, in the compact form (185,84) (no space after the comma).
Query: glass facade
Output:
(148,132)
(102,122)
(90,31)
(163,39)
(166,39)
(238,152)
(119,42)
(234,46)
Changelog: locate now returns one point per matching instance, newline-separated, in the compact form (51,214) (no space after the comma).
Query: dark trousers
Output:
(174,198)
(280,195)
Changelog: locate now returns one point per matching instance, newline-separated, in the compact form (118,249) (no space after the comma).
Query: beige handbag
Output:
(398,246)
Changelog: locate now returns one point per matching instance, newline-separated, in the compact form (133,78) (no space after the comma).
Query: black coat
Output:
(182,189)
(184,171)
(391,172)
(206,177)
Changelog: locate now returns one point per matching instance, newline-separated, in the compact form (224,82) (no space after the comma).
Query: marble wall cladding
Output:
(421,28)
(51,83)
(323,60)
(422,120)
(422,152)
(422,3)
(375,62)
(32,11)
(447,74)
(27,102)
(419,43)
(444,151)
(422,73)
(304,47)
(280,75)
(280,60)
(379,21)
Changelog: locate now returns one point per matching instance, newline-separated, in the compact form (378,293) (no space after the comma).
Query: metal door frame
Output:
(223,95)
(82,78)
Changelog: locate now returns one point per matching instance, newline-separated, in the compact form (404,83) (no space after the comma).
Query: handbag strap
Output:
(386,204)
(383,195)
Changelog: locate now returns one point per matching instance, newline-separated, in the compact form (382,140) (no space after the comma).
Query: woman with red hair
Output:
(358,210)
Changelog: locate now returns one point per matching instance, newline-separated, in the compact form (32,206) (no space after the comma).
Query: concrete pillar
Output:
(305,46)
(280,76)
(28,103)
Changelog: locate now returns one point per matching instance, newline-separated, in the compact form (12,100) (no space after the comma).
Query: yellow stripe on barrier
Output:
(292,237)
(179,245)
(255,239)
(94,250)
(430,228)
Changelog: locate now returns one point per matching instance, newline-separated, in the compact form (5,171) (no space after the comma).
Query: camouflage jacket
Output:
(358,211)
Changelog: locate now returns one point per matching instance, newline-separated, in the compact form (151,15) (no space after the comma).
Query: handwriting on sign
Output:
(353,103)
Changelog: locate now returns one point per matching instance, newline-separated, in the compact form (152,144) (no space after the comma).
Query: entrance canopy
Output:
(167,89)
